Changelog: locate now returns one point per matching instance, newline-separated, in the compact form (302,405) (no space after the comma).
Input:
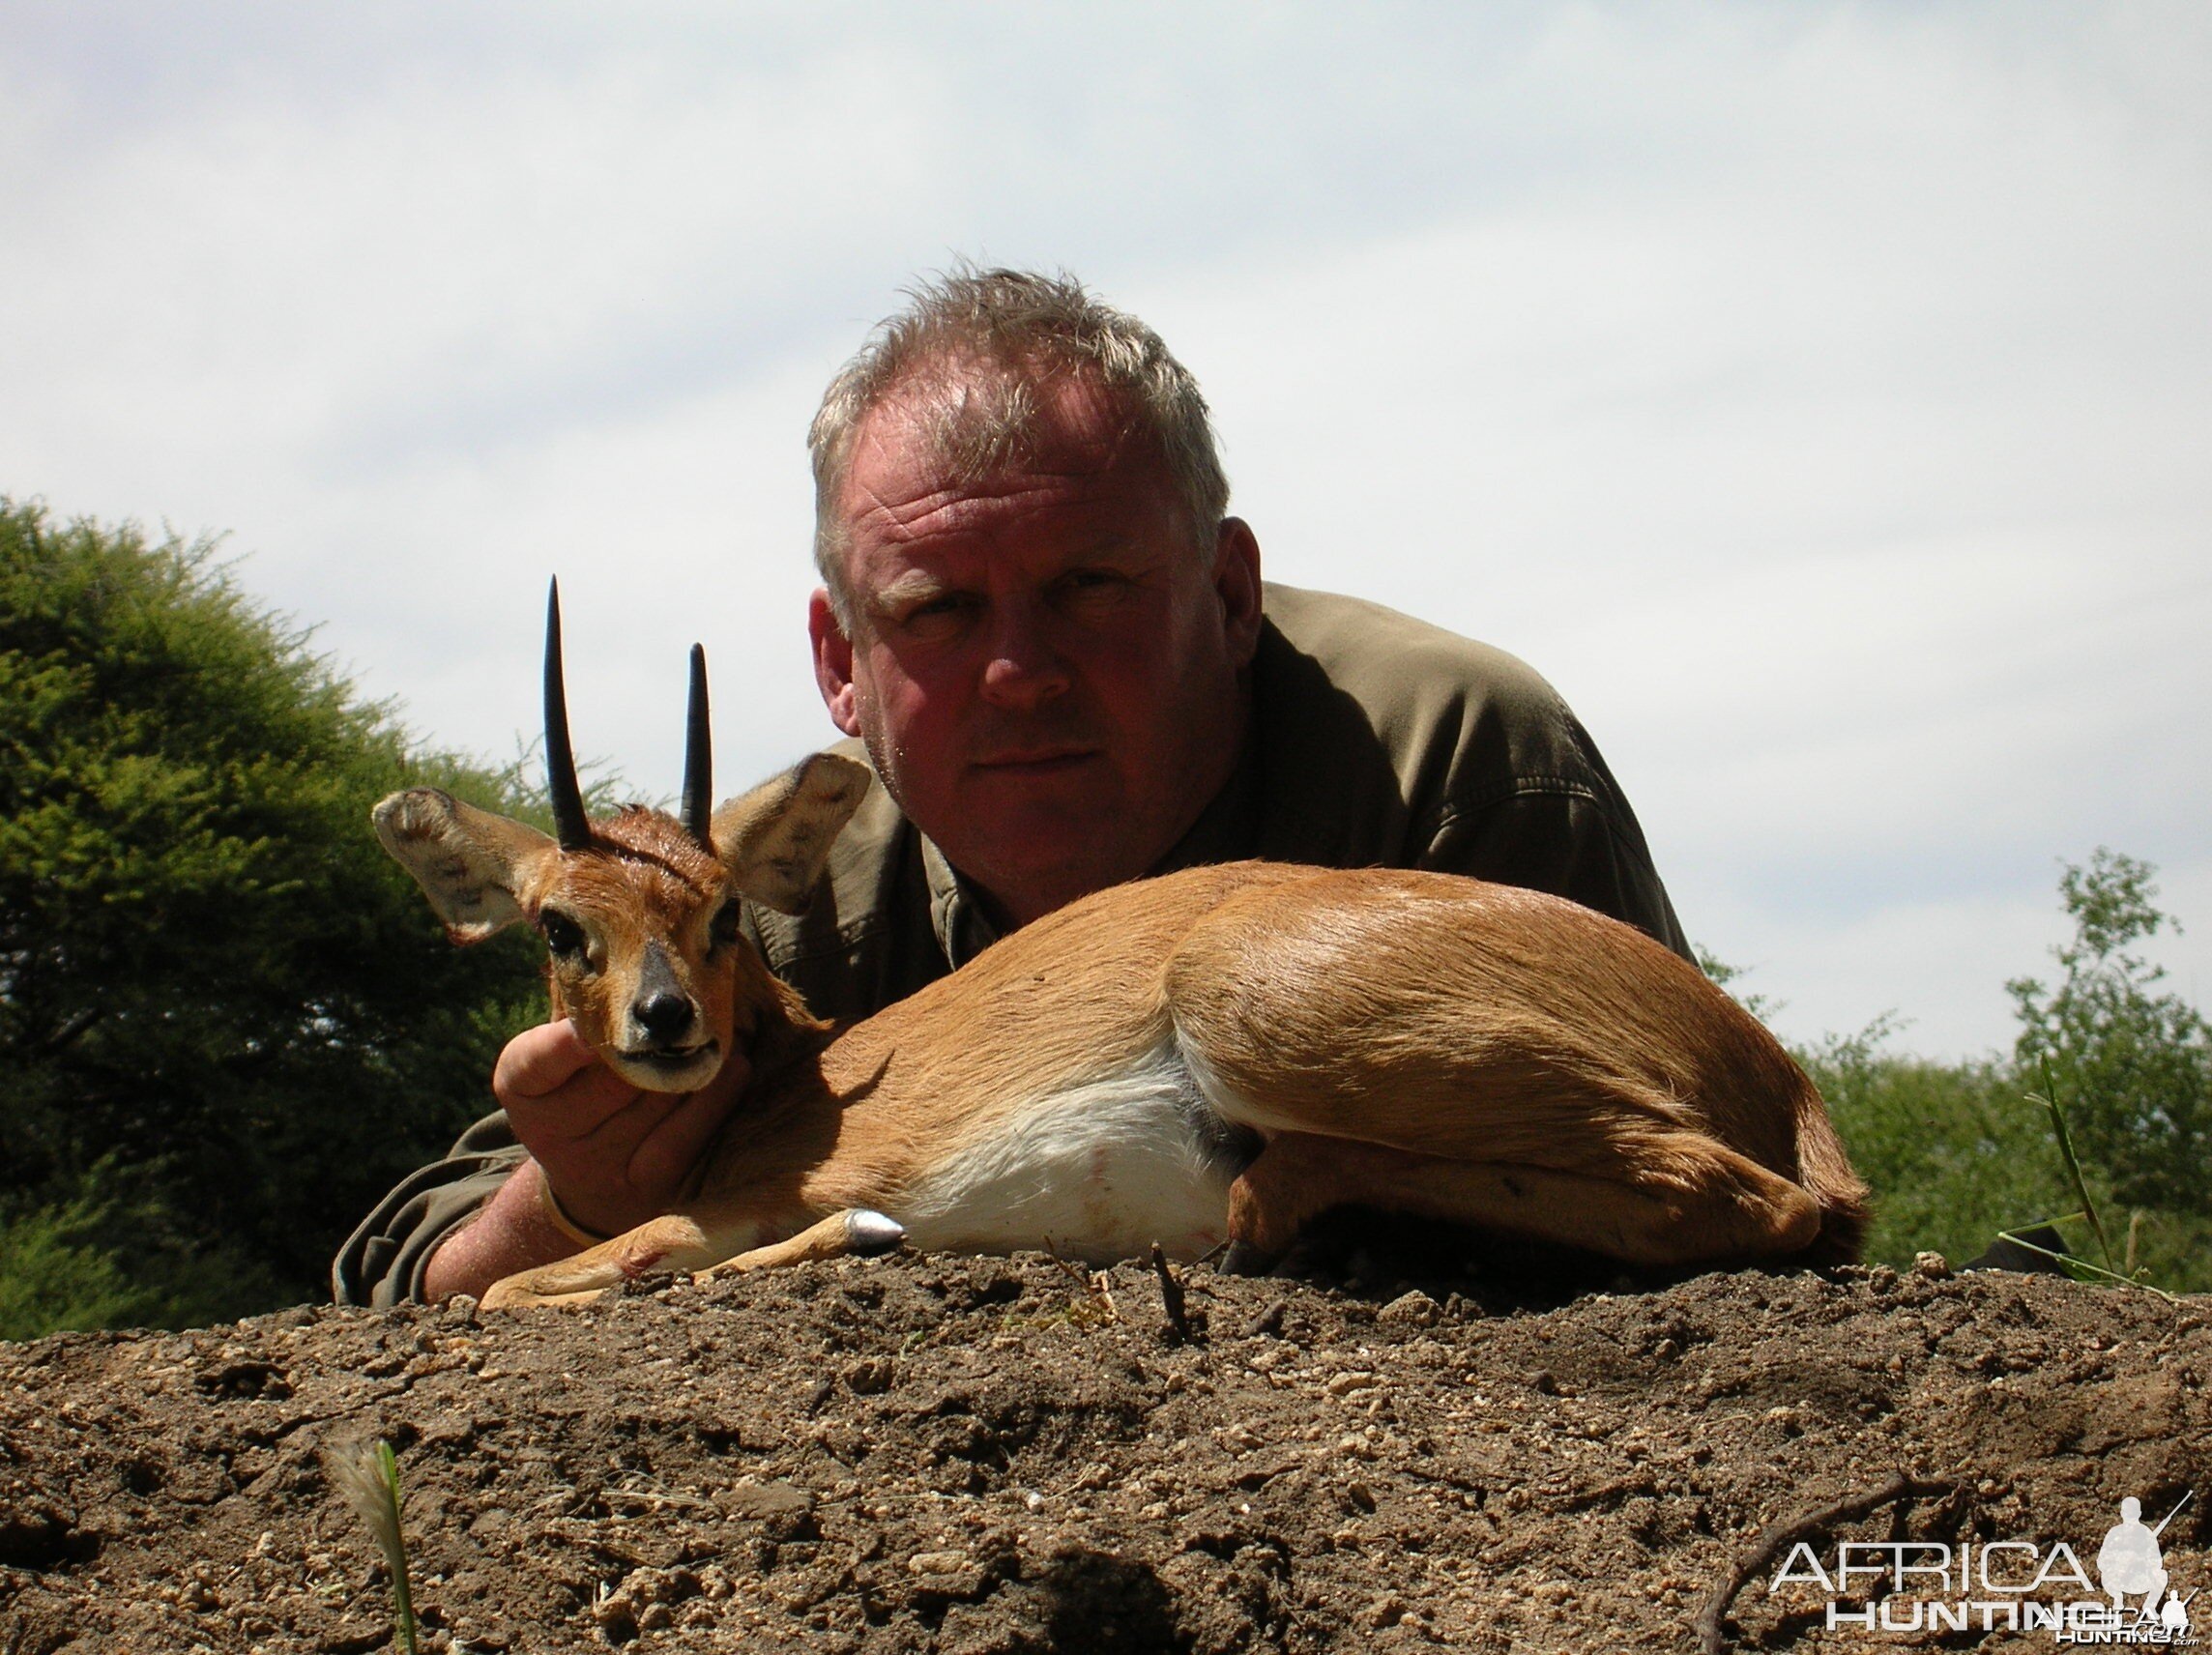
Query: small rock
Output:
(1385,1611)
(764,1500)
(871,1376)
(1413,1309)
(1095,1476)
(937,1562)
(615,1614)
(1934,1266)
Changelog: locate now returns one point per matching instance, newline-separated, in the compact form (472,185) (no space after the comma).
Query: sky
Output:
(1819,396)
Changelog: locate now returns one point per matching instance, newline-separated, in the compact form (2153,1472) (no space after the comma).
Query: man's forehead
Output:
(962,420)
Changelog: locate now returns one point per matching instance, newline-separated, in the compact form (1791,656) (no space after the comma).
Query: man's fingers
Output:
(538,1060)
(668,1150)
(550,1098)
(612,1153)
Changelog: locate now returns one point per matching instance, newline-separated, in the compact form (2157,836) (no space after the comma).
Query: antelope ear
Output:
(775,838)
(469,863)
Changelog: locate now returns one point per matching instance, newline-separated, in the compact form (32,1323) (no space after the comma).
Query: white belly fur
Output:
(1100,1170)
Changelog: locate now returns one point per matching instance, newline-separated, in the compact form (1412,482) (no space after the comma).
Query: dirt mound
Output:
(1007,1455)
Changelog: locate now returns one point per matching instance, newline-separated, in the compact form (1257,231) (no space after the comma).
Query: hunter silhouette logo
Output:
(2005,1585)
(2131,1563)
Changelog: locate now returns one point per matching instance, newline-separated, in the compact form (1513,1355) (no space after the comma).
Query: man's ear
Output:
(775,838)
(470,863)
(832,662)
(1236,583)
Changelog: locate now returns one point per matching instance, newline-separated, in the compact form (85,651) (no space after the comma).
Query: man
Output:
(1053,644)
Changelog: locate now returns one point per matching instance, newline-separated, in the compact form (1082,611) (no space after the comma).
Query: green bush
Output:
(60,1270)
(2132,1067)
(1953,1152)
(223,1009)
(96,1255)
(1958,1152)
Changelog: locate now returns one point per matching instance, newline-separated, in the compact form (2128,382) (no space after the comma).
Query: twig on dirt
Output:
(1170,1296)
(1101,1311)
(1073,1271)
(1613,1493)
(1787,1532)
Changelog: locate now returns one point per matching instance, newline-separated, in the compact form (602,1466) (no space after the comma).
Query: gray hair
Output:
(990,338)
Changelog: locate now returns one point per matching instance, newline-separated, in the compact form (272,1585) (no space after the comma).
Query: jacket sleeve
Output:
(382,1262)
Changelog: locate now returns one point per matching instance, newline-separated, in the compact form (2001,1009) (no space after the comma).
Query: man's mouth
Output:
(1038,761)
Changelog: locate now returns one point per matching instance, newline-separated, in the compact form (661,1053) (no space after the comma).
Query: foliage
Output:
(218,995)
(2133,1067)
(57,1274)
(1957,1152)
(1951,1151)
(103,1251)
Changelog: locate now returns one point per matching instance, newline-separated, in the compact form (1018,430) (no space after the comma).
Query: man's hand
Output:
(612,1155)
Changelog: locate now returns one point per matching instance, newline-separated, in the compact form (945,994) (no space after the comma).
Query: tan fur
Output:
(1414,1041)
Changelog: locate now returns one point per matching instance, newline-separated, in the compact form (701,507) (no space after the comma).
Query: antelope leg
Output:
(858,1230)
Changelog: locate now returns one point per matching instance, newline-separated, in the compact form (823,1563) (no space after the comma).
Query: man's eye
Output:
(946,603)
(936,616)
(562,935)
(1091,584)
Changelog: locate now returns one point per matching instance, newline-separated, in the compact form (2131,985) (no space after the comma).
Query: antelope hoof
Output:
(868,1233)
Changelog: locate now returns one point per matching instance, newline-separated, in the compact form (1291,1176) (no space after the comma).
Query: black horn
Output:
(698,756)
(569,823)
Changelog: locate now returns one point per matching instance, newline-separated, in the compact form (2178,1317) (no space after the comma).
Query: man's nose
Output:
(1025,666)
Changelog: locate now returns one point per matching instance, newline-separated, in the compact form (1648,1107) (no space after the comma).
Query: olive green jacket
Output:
(1377,741)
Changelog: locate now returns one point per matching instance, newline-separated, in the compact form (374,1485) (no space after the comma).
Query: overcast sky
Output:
(1819,396)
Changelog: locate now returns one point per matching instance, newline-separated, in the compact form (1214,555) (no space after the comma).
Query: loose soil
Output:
(987,1455)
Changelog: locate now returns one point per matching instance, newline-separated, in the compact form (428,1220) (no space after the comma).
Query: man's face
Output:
(1043,666)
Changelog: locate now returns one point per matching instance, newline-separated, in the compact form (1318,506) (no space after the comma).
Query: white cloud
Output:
(1819,396)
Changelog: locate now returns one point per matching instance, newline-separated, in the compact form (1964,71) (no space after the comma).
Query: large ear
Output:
(775,838)
(469,863)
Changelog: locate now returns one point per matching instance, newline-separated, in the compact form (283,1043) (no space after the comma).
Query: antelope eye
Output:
(562,935)
(723,927)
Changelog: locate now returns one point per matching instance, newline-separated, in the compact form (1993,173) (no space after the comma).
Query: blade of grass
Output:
(2048,1099)
(368,1475)
(2074,1266)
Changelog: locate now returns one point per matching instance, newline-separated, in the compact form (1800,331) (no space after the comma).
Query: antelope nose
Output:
(663,1015)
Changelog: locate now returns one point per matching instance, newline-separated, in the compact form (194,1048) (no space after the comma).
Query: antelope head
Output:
(639,909)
